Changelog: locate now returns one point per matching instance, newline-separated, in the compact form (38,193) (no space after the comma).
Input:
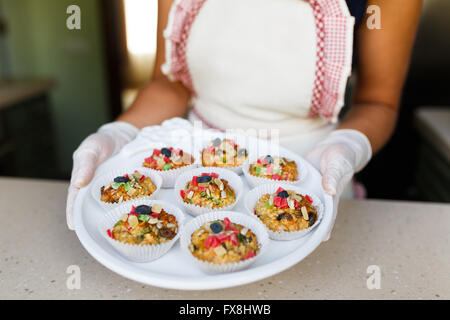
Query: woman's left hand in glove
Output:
(343,153)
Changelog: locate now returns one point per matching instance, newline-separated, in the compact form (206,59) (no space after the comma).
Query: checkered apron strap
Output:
(334,28)
(181,18)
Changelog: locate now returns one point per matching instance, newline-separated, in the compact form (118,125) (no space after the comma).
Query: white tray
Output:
(174,270)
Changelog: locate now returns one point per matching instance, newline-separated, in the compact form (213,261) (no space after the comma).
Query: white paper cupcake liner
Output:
(238,169)
(233,180)
(140,253)
(107,178)
(249,222)
(168,176)
(254,181)
(253,196)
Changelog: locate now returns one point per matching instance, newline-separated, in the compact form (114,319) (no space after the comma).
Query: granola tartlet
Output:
(167,159)
(129,186)
(286,211)
(275,168)
(208,190)
(222,241)
(223,153)
(145,225)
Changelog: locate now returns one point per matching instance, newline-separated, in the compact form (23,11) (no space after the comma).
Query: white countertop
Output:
(410,242)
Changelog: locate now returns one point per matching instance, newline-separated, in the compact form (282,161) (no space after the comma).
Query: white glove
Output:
(94,150)
(343,153)
(175,132)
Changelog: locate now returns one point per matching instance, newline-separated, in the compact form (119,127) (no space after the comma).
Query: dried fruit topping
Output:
(166,233)
(227,222)
(156,208)
(283,194)
(167,152)
(284,216)
(212,242)
(234,239)
(204,179)
(250,254)
(121,179)
(222,237)
(216,227)
(312,218)
(304,213)
(268,159)
(143,209)
(279,190)
(276,177)
(220,251)
(280,202)
(216,142)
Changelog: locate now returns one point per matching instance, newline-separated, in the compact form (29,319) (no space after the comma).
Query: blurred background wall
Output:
(415,164)
(40,46)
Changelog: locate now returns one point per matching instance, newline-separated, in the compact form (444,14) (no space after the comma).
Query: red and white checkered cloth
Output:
(334,26)
(333,52)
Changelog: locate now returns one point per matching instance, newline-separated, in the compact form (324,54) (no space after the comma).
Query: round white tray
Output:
(174,270)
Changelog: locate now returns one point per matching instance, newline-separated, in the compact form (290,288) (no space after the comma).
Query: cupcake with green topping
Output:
(142,230)
(207,189)
(122,185)
(169,163)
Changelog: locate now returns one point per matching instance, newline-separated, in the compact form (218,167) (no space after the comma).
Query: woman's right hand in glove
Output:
(94,150)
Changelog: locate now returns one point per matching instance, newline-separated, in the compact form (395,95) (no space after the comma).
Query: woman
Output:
(275,64)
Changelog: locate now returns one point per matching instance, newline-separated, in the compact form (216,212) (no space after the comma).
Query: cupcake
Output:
(222,241)
(274,168)
(286,211)
(168,159)
(142,230)
(126,187)
(223,153)
(208,190)
(145,225)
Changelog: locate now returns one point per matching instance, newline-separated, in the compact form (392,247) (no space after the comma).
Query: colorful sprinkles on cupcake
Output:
(275,168)
(126,187)
(223,153)
(145,225)
(167,159)
(222,241)
(208,190)
(286,210)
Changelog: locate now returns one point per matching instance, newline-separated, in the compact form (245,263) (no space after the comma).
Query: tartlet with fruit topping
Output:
(223,153)
(129,186)
(167,159)
(145,225)
(286,211)
(275,168)
(222,241)
(208,190)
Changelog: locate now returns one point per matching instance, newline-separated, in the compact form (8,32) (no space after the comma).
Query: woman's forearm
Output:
(383,60)
(375,120)
(158,101)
